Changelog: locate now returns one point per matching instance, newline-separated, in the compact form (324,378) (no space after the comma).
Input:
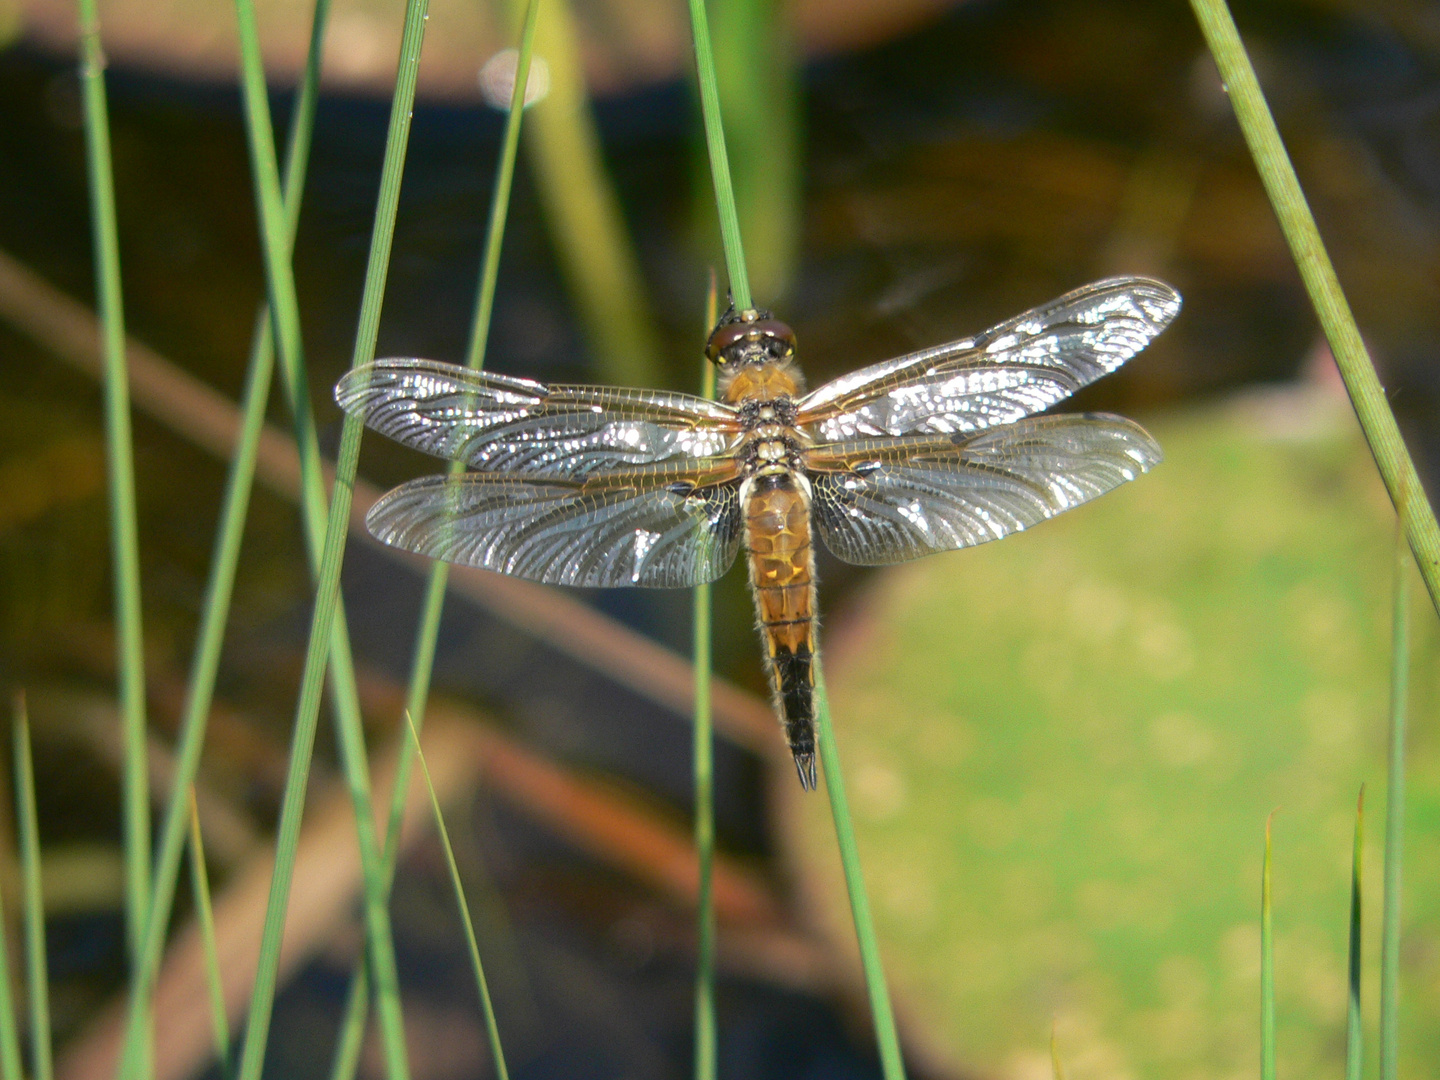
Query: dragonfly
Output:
(601,486)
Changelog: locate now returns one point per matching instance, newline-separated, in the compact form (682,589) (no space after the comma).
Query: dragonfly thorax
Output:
(775,382)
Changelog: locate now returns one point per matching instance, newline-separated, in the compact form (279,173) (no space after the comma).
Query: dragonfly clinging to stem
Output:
(605,486)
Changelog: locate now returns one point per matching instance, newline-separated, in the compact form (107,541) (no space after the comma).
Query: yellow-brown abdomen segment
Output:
(782,576)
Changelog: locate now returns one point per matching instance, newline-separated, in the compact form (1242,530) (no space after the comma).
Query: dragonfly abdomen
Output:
(782,577)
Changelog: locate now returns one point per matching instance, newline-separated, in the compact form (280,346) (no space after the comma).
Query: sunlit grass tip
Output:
(491,1026)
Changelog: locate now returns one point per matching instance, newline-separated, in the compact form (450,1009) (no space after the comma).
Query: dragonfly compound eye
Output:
(754,336)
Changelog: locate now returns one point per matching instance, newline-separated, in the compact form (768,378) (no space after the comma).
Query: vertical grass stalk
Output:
(891,1064)
(719,158)
(350,1039)
(1267,966)
(36,974)
(1354,1028)
(354,758)
(328,589)
(758,79)
(10,1065)
(427,632)
(582,210)
(124,538)
(1394,821)
(1308,250)
(884,1018)
(228,534)
(490,1025)
(704,763)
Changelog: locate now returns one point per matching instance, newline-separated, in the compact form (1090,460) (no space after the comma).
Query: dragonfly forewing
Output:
(1013,370)
(498,423)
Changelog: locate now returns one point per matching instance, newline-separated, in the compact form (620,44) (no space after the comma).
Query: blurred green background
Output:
(1064,748)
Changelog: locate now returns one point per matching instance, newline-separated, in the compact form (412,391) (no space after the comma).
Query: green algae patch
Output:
(1062,749)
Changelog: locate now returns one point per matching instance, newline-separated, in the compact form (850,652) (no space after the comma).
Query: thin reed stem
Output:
(351,1038)
(327,601)
(1308,250)
(37,975)
(582,210)
(1394,820)
(1354,1028)
(124,533)
(200,885)
(884,1018)
(491,1027)
(500,196)
(353,755)
(1267,966)
(891,1063)
(235,504)
(427,633)
(704,763)
(10,1064)
(719,158)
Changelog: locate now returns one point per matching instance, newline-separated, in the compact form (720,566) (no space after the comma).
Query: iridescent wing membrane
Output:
(1022,366)
(497,423)
(933,452)
(624,530)
(575,485)
(881,501)
(599,486)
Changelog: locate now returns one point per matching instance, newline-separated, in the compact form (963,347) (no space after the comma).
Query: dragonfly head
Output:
(749,337)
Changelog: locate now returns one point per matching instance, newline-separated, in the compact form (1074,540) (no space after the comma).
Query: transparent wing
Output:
(646,529)
(497,423)
(1012,370)
(890,500)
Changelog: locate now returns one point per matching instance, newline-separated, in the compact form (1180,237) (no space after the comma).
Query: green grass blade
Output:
(1267,967)
(1057,1067)
(1354,1029)
(891,1063)
(200,883)
(1298,225)
(285,309)
(328,588)
(351,1038)
(10,1065)
(500,196)
(1394,823)
(204,667)
(346,1057)
(37,976)
(757,75)
(124,538)
(583,212)
(229,532)
(704,758)
(491,1027)
(719,158)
